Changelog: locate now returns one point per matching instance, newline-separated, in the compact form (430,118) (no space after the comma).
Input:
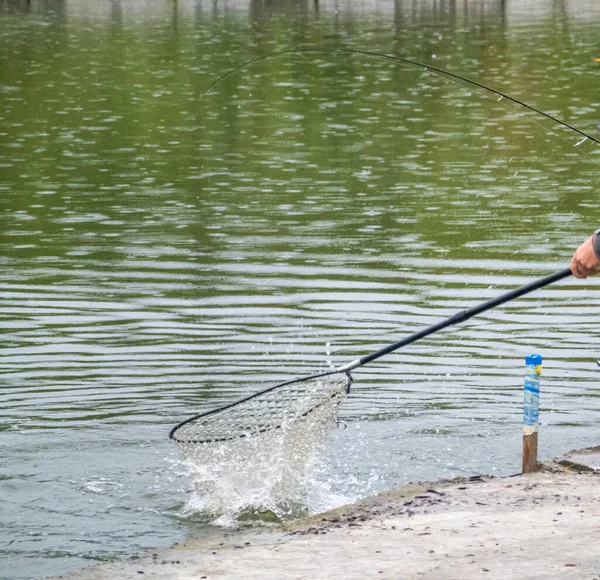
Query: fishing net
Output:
(260,450)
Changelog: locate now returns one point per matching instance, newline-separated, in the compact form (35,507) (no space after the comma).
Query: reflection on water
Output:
(162,253)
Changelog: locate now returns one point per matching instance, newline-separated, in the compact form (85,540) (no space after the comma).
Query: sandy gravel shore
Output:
(545,525)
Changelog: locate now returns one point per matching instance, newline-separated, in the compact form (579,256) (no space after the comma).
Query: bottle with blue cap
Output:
(531,408)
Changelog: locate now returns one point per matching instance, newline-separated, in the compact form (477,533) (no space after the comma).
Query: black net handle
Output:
(459,317)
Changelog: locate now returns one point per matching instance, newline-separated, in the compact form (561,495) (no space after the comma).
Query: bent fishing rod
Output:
(413,63)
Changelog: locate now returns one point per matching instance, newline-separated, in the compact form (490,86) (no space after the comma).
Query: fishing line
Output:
(459,79)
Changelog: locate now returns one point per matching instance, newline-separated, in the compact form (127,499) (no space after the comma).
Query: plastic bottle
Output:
(531,407)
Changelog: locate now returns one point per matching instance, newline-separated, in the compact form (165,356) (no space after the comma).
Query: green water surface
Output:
(164,249)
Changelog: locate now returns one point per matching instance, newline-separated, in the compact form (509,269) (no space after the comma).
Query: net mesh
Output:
(259,452)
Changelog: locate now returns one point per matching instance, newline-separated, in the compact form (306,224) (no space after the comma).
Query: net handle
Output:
(459,317)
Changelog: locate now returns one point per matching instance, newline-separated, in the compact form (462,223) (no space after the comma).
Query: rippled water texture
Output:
(163,251)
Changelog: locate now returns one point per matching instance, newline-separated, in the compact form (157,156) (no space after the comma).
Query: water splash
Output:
(253,460)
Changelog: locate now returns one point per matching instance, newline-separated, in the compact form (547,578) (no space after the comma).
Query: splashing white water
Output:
(256,457)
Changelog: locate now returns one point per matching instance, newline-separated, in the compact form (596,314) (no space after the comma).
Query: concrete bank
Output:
(544,525)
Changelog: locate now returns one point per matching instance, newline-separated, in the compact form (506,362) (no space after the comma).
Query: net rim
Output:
(172,433)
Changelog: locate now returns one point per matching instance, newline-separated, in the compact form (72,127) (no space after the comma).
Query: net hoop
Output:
(174,433)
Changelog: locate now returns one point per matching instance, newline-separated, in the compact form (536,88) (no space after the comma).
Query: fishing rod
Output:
(425,67)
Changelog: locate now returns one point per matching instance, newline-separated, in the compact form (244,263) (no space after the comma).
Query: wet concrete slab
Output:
(536,526)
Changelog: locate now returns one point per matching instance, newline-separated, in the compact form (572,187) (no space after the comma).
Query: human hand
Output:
(584,262)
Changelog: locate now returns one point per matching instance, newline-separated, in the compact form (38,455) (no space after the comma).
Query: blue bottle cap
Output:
(533,359)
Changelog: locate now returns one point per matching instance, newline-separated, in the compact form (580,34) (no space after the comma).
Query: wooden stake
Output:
(530,451)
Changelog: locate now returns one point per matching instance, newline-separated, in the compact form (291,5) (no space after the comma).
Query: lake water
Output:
(163,250)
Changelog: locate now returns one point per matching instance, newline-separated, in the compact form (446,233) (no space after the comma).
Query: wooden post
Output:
(530,449)
(531,409)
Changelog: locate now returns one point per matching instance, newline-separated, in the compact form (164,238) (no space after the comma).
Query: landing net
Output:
(259,451)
